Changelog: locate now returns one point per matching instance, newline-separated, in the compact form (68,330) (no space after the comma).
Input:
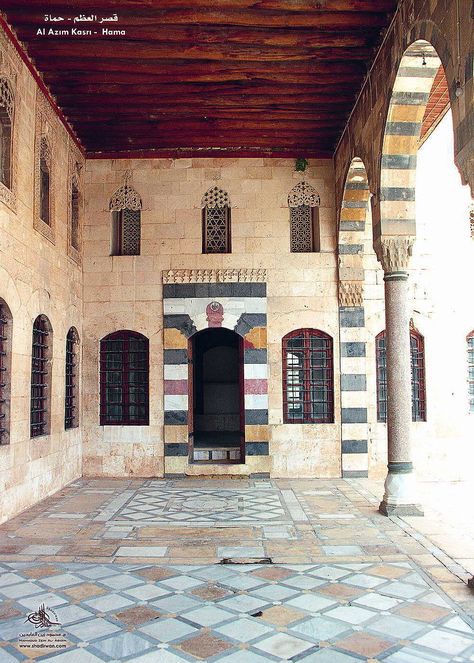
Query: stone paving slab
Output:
(227,613)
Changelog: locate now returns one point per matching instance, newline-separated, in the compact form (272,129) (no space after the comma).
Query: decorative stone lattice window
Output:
(418,386)
(71,414)
(45,181)
(5,371)
(6,132)
(470,370)
(308,377)
(216,235)
(126,206)
(304,202)
(124,379)
(41,377)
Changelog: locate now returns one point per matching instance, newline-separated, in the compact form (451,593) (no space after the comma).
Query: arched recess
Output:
(72,378)
(216,396)
(41,377)
(418,69)
(125,206)
(354,247)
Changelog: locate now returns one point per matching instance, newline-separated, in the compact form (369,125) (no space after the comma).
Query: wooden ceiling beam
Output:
(40,6)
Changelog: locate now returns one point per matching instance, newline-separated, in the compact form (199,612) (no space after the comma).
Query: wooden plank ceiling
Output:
(202,77)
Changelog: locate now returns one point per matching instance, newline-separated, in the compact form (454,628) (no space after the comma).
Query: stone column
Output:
(400,497)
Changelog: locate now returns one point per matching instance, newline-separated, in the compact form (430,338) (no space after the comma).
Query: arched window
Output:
(216,229)
(303,202)
(124,379)
(6,132)
(470,370)
(71,414)
(75,207)
(126,206)
(5,371)
(308,378)
(418,388)
(44,181)
(41,356)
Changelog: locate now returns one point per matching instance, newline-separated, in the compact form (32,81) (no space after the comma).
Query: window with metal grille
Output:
(470,370)
(5,365)
(126,232)
(418,387)
(44,181)
(74,215)
(40,377)
(304,229)
(216,230)
(471,220)
(6,124)
(308,377)
(71,414)
(124,379)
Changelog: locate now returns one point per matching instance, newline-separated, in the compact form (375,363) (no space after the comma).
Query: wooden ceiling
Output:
(203,77)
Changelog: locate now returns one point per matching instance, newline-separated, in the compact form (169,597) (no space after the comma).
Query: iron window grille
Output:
(304,229)
(470,369)
(74,215)
(70,406)
(44,181)
(40,377)
(5,324)
(471,220)
(124,379)
(418,382)
(126,233)
(308,377)
(6,124)
(216,230)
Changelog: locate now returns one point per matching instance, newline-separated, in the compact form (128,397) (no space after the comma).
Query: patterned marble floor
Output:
(130,569)
(162,504)
(239,613)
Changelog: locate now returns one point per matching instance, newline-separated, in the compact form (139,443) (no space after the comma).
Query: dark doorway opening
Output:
(216,384)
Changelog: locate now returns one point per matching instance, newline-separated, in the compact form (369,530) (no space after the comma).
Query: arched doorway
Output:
(216,422)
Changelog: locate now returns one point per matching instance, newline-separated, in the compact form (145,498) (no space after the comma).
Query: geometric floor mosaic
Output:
(248,613)
(156,504)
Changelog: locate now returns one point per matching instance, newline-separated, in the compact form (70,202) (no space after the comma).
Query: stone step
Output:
(215,454)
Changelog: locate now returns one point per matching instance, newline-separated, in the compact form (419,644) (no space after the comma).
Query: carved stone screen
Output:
(216,230)
(301,229)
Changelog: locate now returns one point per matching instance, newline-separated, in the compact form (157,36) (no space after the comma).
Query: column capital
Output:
(350,293)
(394,253)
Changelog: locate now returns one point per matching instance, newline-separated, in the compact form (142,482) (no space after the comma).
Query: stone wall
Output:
(37,276)
(126,292)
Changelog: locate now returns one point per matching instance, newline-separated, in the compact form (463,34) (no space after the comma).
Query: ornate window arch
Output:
(308,377)
(7,108)
(126,206)
(124,370)
(41,360)
(470,369)
(71,398)
(216,221)
(304,201)
(5,371)
(418,382)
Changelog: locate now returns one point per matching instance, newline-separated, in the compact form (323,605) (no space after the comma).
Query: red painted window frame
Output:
(418,377)
(470,370)
(327,383)
(125,420)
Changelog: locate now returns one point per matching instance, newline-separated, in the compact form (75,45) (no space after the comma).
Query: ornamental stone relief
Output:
(350,293)
(303,194)
(395,252)
(215,276)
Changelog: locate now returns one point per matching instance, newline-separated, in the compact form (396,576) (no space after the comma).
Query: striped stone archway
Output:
(352,332)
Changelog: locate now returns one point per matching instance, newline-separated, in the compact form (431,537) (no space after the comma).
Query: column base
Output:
(400,509)
(400,497)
